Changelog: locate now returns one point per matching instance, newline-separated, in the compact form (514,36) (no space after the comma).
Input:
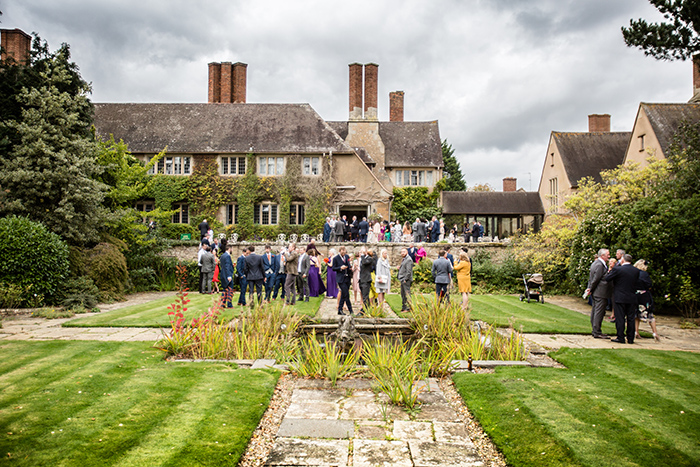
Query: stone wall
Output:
(497,251)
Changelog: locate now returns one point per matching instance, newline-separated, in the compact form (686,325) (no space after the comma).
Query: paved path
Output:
(352,426)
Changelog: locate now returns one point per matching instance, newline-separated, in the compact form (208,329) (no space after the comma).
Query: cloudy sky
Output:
(498,75)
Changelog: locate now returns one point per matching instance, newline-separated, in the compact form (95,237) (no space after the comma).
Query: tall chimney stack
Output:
(355,91)
(214,82)
(510,184)
(599,123)
(371,91)
(396,106)
(696,74)
(226,82)
(239,82)
(15,45)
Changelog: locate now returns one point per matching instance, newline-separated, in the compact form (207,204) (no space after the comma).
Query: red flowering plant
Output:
(178,308)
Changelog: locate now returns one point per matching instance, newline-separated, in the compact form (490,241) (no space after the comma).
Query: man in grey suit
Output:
(303,275)
(339,230)
(405,278)
(208,266)
(599,290)
(442,273)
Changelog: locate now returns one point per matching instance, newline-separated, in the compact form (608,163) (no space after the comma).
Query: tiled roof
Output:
(665,119)
(411,144)
(219,128)
(492,203)
(586,154)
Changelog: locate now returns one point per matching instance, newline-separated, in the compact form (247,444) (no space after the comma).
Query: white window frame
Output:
(171,165)
(183,211)
(311,166)
(266,209)
(231,165)
(414,178)
(554,194)
(266,164)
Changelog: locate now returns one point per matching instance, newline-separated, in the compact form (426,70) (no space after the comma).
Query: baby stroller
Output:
(533,288)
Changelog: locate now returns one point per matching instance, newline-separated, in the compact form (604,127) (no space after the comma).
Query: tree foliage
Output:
(48,169)
(677,38)
(482,187)
(412,202)
(452,170)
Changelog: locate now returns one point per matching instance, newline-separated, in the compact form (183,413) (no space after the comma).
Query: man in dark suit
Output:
(281,275)
(343,270)
(303,275)
(240,272)
(226,272)
(599,290)
(412,251)
(327,230)
(405,277)
(354,229)
(435,230)
(364,228)
(367,266)
(624,279)
(203,229)
(270,269)
(254,273)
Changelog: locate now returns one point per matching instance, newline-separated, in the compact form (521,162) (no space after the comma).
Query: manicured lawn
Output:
(608,407)
(501,310)
(114,403)
(154,314)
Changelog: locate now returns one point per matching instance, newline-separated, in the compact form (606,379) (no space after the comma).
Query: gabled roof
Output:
(587,154)
(406,144)
(492,203)
(665,119)
(411,144)
(219,128)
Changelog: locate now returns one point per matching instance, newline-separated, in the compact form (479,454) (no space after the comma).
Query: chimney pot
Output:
(510,184)
(15,45)
(396,106)
(371,91)
(599,123)
(239,82)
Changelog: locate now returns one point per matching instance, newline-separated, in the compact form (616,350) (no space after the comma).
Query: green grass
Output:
(608,407)
(116,403)
(501,310)
(154,314)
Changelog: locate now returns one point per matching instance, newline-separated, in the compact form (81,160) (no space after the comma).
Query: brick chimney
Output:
(599,123)
(696,74)
(15,45)
(239,82)
(355,91)
(510,184)
(214,82)
(396,106)
(227,82)
(371,91)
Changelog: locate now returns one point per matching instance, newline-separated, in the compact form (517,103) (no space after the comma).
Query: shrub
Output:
(11,295)
(52,313)
(107,269)
(144,279)
(79,292)
(32,258)
(173,231)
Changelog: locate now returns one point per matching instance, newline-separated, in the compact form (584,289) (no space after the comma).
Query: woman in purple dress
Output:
(316,286)
(332,289)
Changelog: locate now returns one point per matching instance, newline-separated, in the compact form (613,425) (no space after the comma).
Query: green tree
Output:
(677,38)
(452,171)
(48,165)
(412,202)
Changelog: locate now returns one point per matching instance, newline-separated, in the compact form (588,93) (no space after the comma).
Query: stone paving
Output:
(42,329)
(352,426)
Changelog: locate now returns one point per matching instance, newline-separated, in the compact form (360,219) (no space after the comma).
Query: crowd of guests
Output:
(295,274)
(342,229)
(625,287)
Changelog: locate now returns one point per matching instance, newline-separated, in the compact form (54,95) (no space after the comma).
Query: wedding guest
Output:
(331,282)
(382,281)
(463,269)
(356,275)
(316,286)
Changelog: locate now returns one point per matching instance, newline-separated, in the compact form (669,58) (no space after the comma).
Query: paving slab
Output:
(316,395)
(368,453)
(316,410)
(262,364)
(362,405)
(407,430)
(309,428)
(429,454)
(292,452)
(442,412)
(453,433)
(371,429)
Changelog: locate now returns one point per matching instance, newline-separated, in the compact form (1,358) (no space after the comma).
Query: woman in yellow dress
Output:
(463,268)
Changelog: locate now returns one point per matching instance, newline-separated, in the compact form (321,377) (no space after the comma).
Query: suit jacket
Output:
(421,228)
(342,276)
(254,267)
(364,227)
(305,263)
(208,262)
(412,253)
(442,270)
(624,279)
(225,268)
(271,267)
(599,287)
(326,232)
(339,228)
(290,267)
(406,269)
(355,227)
(240,266)
(367,265)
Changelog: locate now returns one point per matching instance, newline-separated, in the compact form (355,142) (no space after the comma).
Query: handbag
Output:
(381,279)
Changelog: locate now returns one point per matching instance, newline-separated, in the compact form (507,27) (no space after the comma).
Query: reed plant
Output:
(323,360)
(374,311)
